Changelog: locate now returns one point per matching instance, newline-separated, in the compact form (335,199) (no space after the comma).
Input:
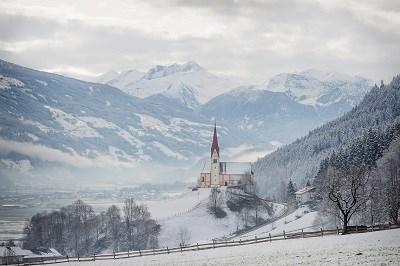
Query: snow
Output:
(7,83)
(167,151)
(181,203)
(374,248)
(72,125)
(44,83)
(302,218)
(202,226)
(150,122)
(309,87)
(202,84)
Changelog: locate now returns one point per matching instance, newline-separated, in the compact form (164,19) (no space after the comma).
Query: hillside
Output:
(300,160)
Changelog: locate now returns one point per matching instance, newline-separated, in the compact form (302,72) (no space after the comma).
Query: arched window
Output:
(202,178)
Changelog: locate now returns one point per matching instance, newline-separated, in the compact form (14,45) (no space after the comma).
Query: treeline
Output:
(77,230)
(300,160)
(361,182)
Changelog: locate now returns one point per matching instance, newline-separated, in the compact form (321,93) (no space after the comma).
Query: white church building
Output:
(224,173)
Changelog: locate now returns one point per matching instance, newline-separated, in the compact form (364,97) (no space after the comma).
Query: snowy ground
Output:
(302,218)
(202,226)
(376,248)
(168,208)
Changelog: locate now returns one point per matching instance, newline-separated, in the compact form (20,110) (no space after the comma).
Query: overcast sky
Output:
(251,40)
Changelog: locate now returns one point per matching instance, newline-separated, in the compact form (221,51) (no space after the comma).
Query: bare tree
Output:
(215,202)
(345,192)
(183,236)
(113,224)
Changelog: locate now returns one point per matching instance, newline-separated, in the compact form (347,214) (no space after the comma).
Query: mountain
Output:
(301,159)
(262,115)
(179,81)
(51,120)
(332,93)
(58,128)
(120,79)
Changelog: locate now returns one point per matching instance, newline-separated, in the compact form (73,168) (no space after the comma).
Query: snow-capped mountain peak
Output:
(319,88)
(163,71)
(189,82)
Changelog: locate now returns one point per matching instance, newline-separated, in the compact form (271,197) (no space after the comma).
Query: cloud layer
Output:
(247,39)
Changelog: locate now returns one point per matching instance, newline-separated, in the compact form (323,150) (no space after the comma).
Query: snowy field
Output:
(376,248)
(302,218)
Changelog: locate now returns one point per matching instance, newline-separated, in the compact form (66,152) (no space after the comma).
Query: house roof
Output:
(14,251)
(304,190)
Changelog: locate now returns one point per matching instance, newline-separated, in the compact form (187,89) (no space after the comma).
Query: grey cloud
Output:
(260,38)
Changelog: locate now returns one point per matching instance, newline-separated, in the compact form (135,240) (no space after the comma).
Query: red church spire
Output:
(214,145)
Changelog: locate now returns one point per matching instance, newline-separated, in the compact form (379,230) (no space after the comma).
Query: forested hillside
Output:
(300,161)
(362,180)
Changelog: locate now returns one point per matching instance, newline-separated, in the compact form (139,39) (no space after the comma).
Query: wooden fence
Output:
(211,245)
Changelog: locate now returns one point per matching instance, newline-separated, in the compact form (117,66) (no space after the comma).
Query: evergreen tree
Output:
(291,196)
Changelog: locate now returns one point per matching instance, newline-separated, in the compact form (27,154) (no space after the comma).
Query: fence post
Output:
(94,256)
(284,234)
(67,258)
(128,252)
(213,243)
(372,227)
(337,229)
(255,238)
(356,228)
(140,253)
(197,246)
(78,256)
(302,233)
(322,232)
(269,234)
(180,245)
(114,254)
(167,250)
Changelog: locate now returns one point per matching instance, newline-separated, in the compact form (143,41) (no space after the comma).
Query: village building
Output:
(305,194)
(218,173)
(17,255)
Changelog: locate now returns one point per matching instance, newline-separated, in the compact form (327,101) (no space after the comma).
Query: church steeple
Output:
(214,146)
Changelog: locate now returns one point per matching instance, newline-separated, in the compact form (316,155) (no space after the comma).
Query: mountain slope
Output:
(300,160)
(49,119)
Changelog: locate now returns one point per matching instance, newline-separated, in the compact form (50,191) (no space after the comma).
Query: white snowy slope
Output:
(374,248)
(302,218)
(174,81)
(318,88)
(202,226)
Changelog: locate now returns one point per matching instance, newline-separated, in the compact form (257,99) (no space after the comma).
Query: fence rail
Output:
(210,245)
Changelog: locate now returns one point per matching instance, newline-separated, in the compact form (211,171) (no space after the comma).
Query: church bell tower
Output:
(215,171)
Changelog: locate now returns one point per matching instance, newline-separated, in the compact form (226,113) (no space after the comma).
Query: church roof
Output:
(215,145)
(235,168)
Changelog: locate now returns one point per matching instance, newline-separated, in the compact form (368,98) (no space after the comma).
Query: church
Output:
(219,173)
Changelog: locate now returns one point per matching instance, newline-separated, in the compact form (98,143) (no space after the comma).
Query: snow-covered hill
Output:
(201,225)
